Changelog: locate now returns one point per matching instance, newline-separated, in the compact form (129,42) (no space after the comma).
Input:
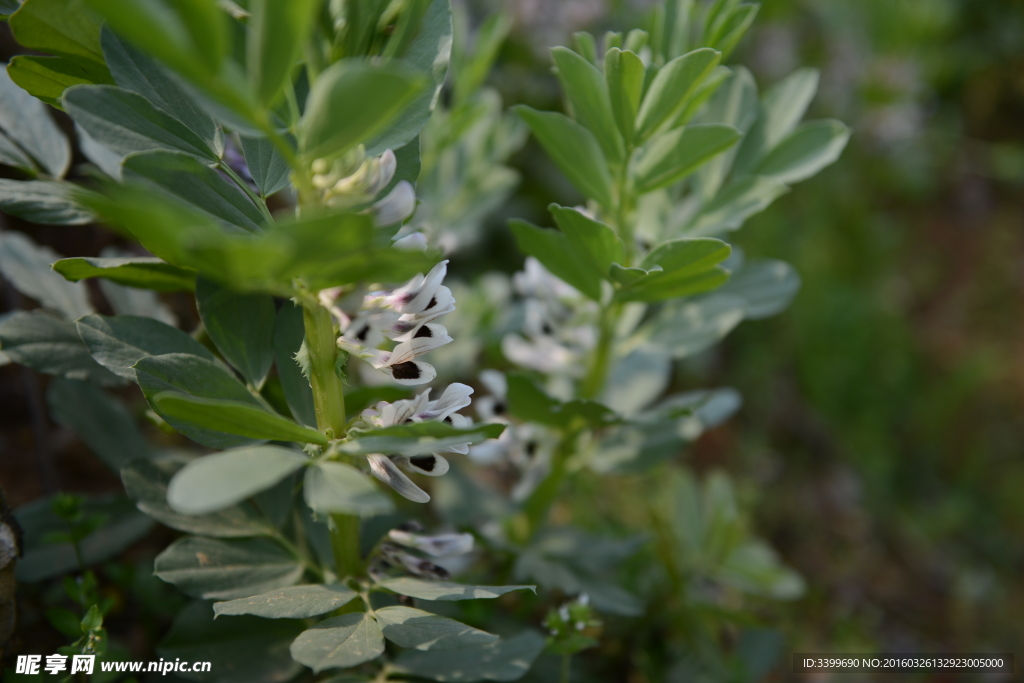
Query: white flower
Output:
(418,409)
(353,179)
(438,545)
(404,315)
(398,205)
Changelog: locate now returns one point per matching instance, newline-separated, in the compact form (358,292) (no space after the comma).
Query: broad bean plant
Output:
(357,427)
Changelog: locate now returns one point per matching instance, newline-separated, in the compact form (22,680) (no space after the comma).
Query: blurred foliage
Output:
(879,444)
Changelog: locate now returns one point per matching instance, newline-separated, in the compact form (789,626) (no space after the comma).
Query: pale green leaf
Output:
(624,75)
(555,251)
(25,119)
(27,266)
(120,341)
(588,94)
(810,148)
(51,345)
(230,417)
(43,201)
(278,30)
(593,239)
(672,87)
(220,480)
(575,151)
(146,272)
(341,642)
(334,487)
(414,628)
(227,569)
(295,602)
(509,659)
(670,157)
(446,590)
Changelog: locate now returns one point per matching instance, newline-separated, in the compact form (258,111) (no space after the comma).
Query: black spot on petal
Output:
(448,420)
(530,448)
(499,408)
(406,370)
(411,526)
(433,302)
(423,332)
(547,329)
(427,463)
(363,333)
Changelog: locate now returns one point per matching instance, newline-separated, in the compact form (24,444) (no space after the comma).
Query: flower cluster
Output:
(406,316)
(418,409)
(405,546)
(557,331)
(525,447)
(354,179)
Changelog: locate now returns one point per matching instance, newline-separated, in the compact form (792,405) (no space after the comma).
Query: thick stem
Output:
(597,374)
(328,392)
(566,667)
(538,506)
(329,404)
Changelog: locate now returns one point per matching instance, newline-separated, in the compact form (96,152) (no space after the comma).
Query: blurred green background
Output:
(880,444)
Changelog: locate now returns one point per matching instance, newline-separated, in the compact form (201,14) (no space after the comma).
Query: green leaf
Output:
(194,376)
(242,327)
(133,70)
(735,104)
(27,266)
(190,36)
(509,659)
(755,568)
(687,255)
(589,237)
(473,66)
(350,102)
(42,201)
(186,179)
(672,87)
(240,649)
(445,590)
(341,642)
(672,156)
(145,272)
(624,75)
(662,286)
(626,276)
(781,110)
(120,341)
(60,27)
(231,417)
(555,251)
(13,156)
(811,147)
(733,26)
(277,32)
(146,483)
(528,402)
(414,628)
(591,105)
(739,200)
(295,602)
(268,168)
(227,569)
(334,487)
(25,119)
(419,438)
(429,53)
(767,287)
(52,346)
(686,328)
(636,379)
(220,480)
(100,421)
(48,77)
(123,526)
(574,149)
(289,333)
(127,122)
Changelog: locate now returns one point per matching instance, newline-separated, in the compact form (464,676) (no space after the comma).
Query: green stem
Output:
(538,506)
(597,375)
(328,392)
(244,186)
(566,667)
(329,405)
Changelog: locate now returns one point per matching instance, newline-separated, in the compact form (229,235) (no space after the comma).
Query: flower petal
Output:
(385,470)
(411,372)
(438,545)
(398,205)
(455,397)
(432,465)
